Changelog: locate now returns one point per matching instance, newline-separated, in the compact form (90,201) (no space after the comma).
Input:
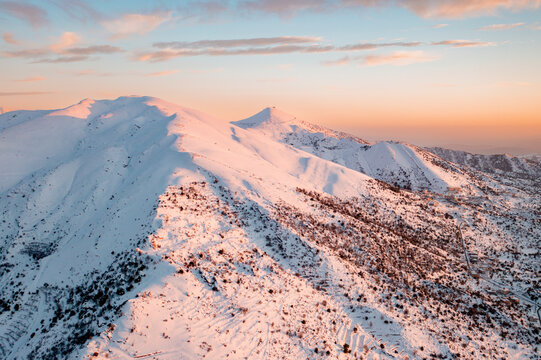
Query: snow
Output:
(168,233)
(396,163)
(79,111)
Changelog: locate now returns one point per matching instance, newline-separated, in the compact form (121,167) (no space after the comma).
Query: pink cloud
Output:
(66,40)
(25,93)
(462,8)
(449,8)
(398,58)
(464,43)
(502,26)
(135,24)
(162,73)
(340,62)
(10,39)
(424,8)
(229,43)
(285,8)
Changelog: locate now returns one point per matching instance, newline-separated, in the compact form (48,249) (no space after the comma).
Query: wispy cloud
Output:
(464,43)
(27,53)
(136,24)
(439,26)
(224,47)
(398,58)
(423,8)
(206,71)
(339,62)
(24,93)
(10,39)
(502,26)
(63,51)
(31,79)
(449,8)
(78,10)
(29,13)
(162,73)
(374,46)
(285,67)
(90,72)
(256,46)
(93,50)
(230,43)
(286,8)
(61,59)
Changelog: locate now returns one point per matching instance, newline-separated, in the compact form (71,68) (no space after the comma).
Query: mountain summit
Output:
(267,117)
(137,228)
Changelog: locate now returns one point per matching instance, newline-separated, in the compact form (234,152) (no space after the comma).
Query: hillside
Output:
(136,228)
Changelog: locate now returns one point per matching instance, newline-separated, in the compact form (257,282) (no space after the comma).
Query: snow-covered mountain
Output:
(136,228)
(396,163)
(493,164)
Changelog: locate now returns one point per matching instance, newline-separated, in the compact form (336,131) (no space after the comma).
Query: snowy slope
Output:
(396,163)
(136,228)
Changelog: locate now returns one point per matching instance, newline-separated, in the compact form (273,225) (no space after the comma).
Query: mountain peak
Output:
(269,115)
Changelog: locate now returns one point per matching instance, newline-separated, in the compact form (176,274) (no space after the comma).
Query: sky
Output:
(462,74)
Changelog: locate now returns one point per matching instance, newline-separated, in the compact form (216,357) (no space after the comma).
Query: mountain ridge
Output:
(135,227)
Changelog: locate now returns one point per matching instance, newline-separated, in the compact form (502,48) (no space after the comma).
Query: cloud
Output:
(535,26)
(423,8)
(285,8)
(27,53)
(135,24)
(23,93)
(230,43)
(10,39)
(78,10)
(340,62)
(398,58)
(462,8)
(276,45)
(61,59)
(450,8)
(374,46)
(162,73)
(31,79)
(93,50)
(256,46)
(206,71)
(90,72)
(502,26)
(32,14)
(64,51)
(464,43)
(167,54)
(439,26)
(66,40)
(210,7)
(285,67)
